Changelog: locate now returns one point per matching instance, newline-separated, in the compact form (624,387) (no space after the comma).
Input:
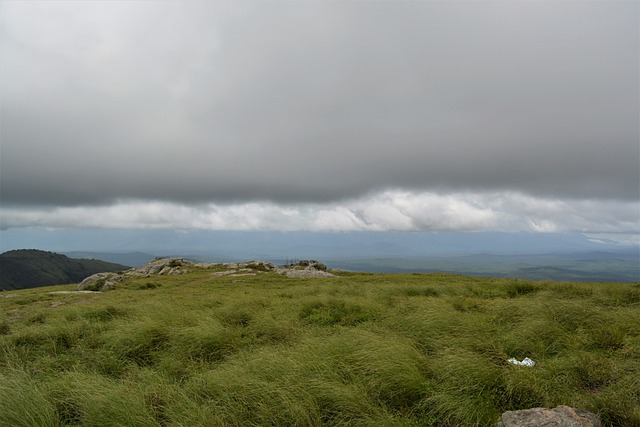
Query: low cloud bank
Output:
(384,211)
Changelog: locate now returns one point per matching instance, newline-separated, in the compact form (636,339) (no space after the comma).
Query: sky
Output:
(509,116)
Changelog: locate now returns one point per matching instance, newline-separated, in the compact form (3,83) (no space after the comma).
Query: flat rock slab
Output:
(561,416)
(307,272)
(75,292)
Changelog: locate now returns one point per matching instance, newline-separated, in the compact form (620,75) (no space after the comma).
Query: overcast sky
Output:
(333,115)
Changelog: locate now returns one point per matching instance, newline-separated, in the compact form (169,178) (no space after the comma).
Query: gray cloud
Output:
(315,102)
(392,210)
(386,211)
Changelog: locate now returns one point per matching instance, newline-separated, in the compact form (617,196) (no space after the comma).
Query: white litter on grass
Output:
(525,362)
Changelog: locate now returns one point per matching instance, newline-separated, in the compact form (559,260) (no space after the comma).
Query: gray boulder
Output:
(561,416)
(99,282)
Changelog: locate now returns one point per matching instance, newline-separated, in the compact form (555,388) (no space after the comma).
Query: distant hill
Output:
(134,259)
(30,268)
(621,266)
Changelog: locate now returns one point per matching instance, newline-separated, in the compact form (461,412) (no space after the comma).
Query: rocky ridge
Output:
(173,266)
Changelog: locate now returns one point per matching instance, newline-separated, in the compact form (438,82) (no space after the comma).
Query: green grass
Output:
(356,350)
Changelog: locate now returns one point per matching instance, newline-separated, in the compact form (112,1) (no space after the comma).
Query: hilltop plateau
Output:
(243,344)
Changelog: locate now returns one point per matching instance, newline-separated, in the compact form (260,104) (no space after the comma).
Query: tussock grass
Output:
(356,350)
(519,287)
(335,312)
(24,402)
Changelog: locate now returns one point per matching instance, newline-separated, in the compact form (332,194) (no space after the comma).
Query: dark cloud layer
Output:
(317,101)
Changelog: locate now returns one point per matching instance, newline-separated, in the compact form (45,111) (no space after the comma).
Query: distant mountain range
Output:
(620,266)
(539,256)
(587,266)
(244,245)
(30,268)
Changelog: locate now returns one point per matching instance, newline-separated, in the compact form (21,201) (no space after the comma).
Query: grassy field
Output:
(359,349)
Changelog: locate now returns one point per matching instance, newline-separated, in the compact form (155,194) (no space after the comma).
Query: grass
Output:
(355,350)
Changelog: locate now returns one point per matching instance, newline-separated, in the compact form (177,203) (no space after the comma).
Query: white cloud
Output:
(389,210)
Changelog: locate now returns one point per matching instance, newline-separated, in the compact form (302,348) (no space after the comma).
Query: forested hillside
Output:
(30,268)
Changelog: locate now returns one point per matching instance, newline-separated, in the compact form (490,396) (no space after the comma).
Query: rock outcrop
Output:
(305,268)
(172,266)
(163,266)
(107,281)
(561,416)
